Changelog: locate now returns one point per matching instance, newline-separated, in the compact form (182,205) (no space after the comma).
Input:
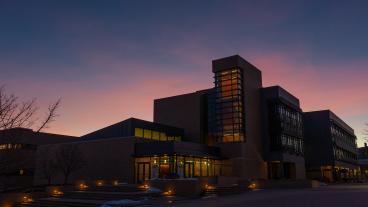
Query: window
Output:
(147,134)
(155,135)
(229,122)
(163,136)
(138,132)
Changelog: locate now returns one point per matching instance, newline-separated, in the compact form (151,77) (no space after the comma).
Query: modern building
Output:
(363,161)
(226,116)
(18,148)
(283,141)
(135,150)
(237,130)
(330,147)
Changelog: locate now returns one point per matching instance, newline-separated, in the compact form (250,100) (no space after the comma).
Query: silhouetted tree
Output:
(15,113)
(47,164)
(365,133)
(69,160)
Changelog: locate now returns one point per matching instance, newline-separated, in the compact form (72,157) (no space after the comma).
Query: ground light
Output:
(82,186)
(209,187)
(252,186)
(27,199)
(145,186)
(56,193)
(99,183)
(168,193)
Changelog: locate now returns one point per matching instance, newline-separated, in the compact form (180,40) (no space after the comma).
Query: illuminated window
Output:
(204,168)
(163,136)
(229,121)
(197,167)
(147,134)
(170,138)
(155,135)
(138,132)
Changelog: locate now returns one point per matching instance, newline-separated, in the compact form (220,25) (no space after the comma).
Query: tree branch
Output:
(51,115)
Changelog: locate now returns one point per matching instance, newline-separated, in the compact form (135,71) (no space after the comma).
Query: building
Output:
(363,161)
(283,141)
(226,116)
(18,148)
(330,147)
(135,150)
(235,131)
(187,111)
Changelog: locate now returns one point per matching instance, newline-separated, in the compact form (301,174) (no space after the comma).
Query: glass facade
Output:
(227,124)
(154,135)
(286,128)
(344,144)
(175,166)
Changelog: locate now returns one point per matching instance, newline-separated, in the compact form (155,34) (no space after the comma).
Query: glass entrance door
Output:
(189,169)
(143,172)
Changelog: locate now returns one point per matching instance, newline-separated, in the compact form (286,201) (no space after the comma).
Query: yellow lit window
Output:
(178,139)
(147,134)
(228,138)
(170,138)
(197,167)
(236,138)
(163,136)
(138,132)
(155,135)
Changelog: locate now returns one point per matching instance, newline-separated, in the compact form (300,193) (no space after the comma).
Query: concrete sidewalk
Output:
(352,195)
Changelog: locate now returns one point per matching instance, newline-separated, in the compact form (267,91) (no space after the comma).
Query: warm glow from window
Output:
(138,132)
(155,135)
(147,134)
(163,136)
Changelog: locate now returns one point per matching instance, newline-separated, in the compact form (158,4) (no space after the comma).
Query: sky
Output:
(108,60)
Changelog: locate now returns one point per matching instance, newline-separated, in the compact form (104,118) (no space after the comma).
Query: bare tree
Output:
(69,160)
(365,133)
(15,113)
(47,164)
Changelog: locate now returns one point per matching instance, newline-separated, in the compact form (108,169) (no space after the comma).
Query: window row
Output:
(342,154)
(340,136)
(288,143)
(155,135)
(178,167)
(13,146)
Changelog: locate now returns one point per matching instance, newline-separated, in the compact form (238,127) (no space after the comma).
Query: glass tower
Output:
(228,124)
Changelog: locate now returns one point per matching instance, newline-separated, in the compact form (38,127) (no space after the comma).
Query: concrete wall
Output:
(183,111)
(108,159)
(318,143)
(24,158)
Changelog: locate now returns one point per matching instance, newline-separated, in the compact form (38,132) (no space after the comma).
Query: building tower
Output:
(236,124)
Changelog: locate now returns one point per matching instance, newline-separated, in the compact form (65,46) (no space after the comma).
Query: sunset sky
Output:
(108,60)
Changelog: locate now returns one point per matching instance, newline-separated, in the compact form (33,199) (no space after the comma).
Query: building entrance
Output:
(143,172)
(189,169)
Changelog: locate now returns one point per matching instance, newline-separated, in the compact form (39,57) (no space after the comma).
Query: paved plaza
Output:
(343,195)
